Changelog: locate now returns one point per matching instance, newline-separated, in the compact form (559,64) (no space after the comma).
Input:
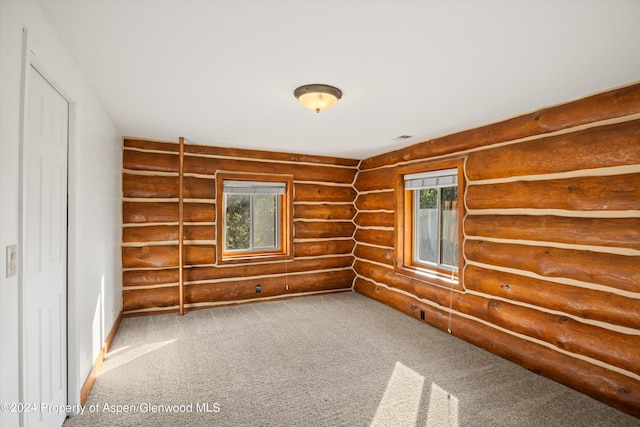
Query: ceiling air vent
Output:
(401,137)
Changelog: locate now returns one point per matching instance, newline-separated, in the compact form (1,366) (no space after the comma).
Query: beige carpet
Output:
(333,360)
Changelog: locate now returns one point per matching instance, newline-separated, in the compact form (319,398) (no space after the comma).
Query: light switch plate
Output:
(12,260)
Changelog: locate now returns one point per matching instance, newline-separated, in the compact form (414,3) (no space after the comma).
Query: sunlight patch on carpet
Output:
(400,402)
(443,408)
(117,359)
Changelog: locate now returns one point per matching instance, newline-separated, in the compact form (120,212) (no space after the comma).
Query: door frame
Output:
(34,56)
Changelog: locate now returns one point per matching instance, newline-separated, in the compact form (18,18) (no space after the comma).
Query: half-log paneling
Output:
(307,230)
(200,232)
(271,286)
(199,274)
(199,212)
(323,193)
(375,236)
(151,145)
(550,238)
(144,161)
(138,299)
(585,193)
(324,211)
(376,201)
(551,241)
(140,212)
(302,172)
(149,186)
(614,388)
(227,152)
(573,300)
(376,179)
(149,277)
(612,270)
(615,232)
(322,247)
(373,253)
(150,257)
(374,219)
(199,254)
(199,188)
(611,347)
(585,149)
(322,215)
(154,233)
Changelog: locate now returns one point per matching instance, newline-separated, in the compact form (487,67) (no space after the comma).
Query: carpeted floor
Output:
(332,360)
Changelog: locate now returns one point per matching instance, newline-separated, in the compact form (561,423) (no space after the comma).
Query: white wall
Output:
(95,168)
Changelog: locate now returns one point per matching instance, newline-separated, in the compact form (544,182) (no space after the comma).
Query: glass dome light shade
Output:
(318,97)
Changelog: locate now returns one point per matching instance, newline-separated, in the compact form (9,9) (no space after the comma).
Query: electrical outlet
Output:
(12,260)
(258,289)
(421,314)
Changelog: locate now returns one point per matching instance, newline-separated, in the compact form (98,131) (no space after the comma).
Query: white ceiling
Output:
(223,72)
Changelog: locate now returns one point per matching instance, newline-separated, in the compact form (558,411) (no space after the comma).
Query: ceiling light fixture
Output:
(318,97)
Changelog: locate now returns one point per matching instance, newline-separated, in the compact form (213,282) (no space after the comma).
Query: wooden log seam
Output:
(610,232)
(617,167)
(585,193)
(620,351)
(150,311)
(569,152)
(423,290)
(158,286)
(271,156)
(587,304)
(316,173)
(245,289)
(271,268)
(231,280)
(151,145)
(610,270)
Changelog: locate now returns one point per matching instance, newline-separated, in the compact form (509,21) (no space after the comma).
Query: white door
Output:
(44,267)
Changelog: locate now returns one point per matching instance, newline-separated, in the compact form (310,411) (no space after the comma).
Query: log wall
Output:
(551,237)
(551,242)
(323,240)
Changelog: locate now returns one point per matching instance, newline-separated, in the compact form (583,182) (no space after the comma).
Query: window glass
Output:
(449,227)
(265,221)
(251,220)
(434,218)
(238,221)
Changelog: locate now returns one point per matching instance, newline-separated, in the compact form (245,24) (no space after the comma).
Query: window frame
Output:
(284,252)
(404,250)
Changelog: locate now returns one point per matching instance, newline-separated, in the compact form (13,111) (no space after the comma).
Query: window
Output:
(435,217)
(252,212)
(254,218)
(428,228)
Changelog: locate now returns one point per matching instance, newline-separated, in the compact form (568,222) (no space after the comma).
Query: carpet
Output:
(329,360)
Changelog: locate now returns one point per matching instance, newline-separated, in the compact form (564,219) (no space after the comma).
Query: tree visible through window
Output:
(251,222)
(255,216)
